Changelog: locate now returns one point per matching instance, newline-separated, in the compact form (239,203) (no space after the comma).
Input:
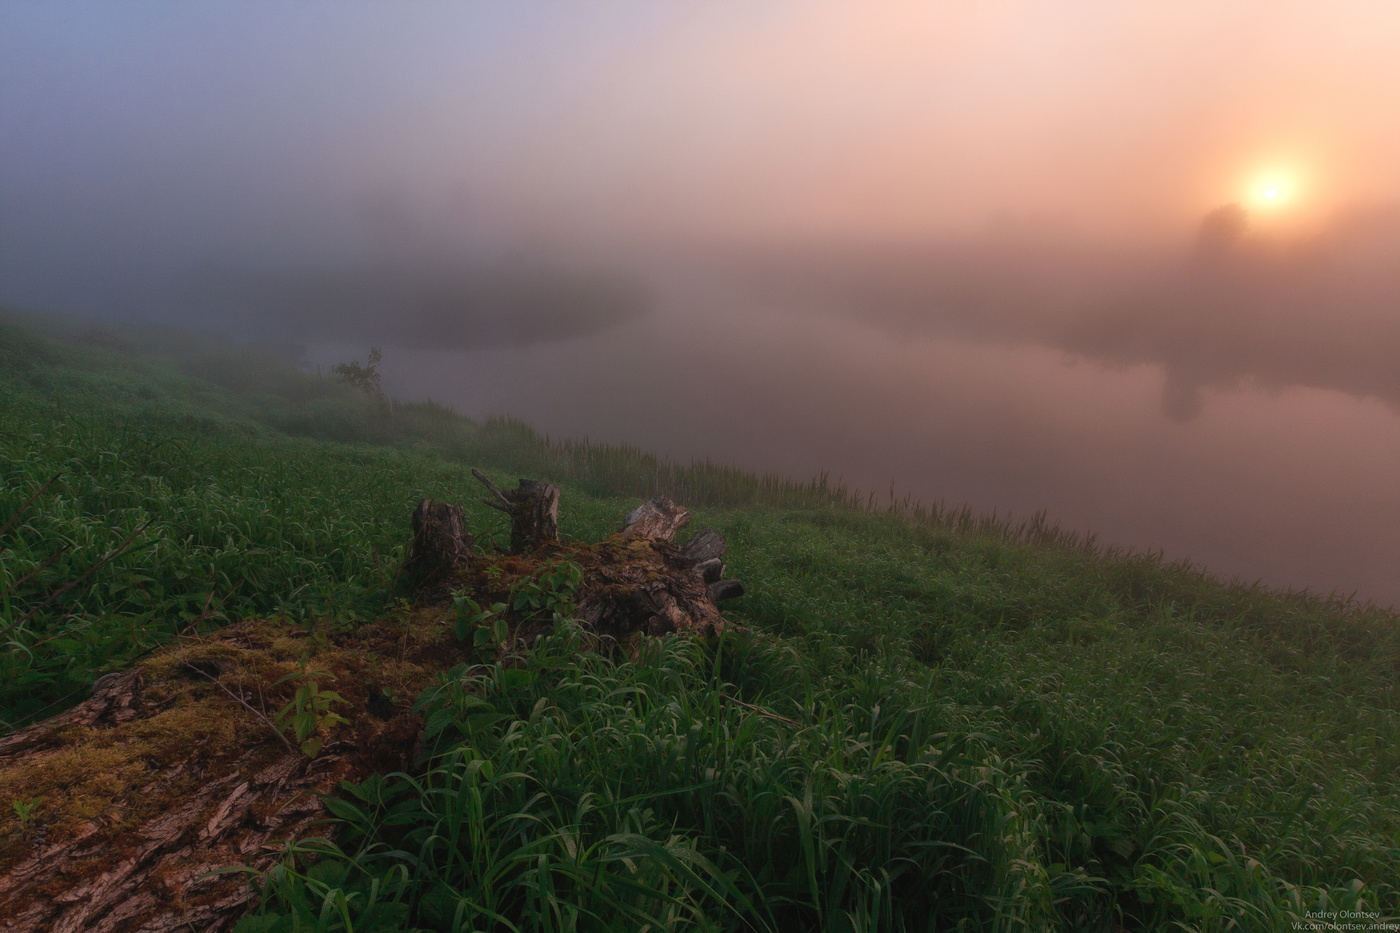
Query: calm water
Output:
(1297,487)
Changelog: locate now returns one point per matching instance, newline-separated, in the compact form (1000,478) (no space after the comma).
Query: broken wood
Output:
(658,517)
(500,502)
(705,545)
(726,589)
(710,570)
(178,768)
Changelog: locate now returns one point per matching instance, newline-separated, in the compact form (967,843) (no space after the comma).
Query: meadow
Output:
(934,721)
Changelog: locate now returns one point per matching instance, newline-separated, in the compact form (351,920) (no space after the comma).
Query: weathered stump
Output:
(534,520)
(645,583)
(646,586)
(442,545)
(533,507)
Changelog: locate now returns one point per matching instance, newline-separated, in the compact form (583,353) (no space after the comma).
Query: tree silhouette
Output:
(365,378)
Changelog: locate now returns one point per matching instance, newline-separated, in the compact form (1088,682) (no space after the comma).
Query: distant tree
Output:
(365,378)
(1222,229)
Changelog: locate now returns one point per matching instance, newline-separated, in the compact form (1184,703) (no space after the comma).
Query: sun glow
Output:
(1273,190)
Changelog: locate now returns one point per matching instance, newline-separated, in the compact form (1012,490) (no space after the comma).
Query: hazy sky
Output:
(982,249)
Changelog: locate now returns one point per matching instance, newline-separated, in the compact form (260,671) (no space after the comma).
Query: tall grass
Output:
(633,795)
(939,721)
(579,793)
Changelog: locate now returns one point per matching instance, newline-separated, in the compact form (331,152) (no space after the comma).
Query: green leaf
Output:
(518,679)
(344,809)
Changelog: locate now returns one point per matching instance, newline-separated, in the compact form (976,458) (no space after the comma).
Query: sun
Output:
(1272,190)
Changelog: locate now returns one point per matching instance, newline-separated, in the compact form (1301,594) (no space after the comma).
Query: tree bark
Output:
(533,507)
(441,543)
(704,545)
(534,517)
(658,517)
(174,770)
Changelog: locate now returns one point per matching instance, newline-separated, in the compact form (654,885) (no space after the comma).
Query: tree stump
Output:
(644,585)
(441,543)
(533,507)
(534,520)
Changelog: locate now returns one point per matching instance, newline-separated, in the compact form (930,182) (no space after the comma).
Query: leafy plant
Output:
(550,592)
(310,709)
(24,810)
(486,631)
(454,709)
(316,890)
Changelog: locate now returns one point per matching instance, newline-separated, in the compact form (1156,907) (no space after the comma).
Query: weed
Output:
(485,630)
(24,812)
(549,592)
(309,711)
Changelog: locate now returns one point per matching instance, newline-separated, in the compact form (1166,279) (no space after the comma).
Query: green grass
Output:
(960,723)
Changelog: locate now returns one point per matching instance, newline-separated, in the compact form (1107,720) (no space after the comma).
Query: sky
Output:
(1137,265)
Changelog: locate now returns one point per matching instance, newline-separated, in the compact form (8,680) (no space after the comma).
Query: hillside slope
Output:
(948,720)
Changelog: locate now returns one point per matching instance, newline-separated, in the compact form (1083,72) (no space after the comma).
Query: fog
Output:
(1136,265)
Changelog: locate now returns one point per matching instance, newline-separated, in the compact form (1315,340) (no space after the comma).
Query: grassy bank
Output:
(937,720)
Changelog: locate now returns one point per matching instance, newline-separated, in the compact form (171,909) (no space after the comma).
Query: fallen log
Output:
(135,800)
(175,769)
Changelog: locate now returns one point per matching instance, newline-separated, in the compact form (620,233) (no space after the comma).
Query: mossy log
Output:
(174,770)
(177,769)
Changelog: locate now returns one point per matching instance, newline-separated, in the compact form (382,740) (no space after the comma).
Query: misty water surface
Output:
(1137,265)
(1293,486)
